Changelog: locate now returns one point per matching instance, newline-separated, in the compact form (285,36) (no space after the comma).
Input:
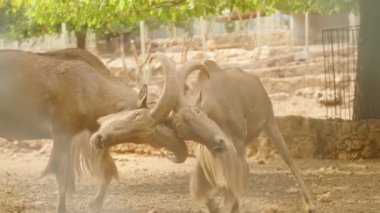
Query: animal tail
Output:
(228,170)
(84,160)
(88,160)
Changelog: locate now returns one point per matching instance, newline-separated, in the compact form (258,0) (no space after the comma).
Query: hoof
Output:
(95,207)
(310,208)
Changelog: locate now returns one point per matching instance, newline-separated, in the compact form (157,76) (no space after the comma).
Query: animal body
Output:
(115,127)
(61,95)
(240,106)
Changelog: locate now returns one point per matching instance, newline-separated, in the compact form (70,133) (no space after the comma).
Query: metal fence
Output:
(340,61)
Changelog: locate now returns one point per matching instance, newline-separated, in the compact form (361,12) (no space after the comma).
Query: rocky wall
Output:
(323,139)
(307,138)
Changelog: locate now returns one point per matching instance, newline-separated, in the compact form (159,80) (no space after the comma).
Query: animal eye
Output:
(134,115)
(178,124)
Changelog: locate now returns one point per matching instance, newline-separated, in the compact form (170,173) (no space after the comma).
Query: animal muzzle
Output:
(96,140)
(219,145)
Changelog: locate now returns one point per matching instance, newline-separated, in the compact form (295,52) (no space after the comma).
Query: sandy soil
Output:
(153,184)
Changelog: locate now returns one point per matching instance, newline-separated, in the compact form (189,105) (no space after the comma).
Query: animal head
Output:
(190,121)
(142,125)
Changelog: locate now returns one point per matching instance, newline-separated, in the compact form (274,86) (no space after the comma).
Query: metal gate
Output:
(340,59)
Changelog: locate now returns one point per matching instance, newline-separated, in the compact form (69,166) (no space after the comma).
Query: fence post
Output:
(258,28)
(142,37)
(64,35)
(203,32)
(291,29)
(307,33)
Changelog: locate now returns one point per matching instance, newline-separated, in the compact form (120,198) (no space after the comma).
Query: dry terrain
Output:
(153,184)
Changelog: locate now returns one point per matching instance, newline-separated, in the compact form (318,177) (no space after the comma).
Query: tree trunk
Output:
(122,52)
(367,91)
(258,28)
(291,34)
(203,32)
(142,38)
(81,39)
(307,33)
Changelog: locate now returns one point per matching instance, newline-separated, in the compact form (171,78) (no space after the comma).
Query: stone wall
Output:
(307,138)
(323,139)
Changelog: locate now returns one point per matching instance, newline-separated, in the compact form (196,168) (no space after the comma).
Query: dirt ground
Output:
(153,184)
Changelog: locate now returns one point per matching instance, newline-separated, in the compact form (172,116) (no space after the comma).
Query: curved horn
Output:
(212,66)
(184,72)
(168,98)
(169,139)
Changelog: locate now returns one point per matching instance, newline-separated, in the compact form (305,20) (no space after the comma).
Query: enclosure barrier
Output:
(340,59)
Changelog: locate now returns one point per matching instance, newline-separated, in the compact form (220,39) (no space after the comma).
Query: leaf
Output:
(121,4)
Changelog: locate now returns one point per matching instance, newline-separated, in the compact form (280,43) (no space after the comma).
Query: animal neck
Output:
(111,96)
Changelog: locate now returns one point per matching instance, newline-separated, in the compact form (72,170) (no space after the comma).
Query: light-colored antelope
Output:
(236,107)
(61,96)
(240,106)
(115,127)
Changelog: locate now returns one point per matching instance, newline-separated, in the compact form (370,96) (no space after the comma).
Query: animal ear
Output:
(143,96)
(198,103)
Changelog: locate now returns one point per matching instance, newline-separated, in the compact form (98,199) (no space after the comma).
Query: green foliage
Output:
(319,6)
(14,24)
(31,17)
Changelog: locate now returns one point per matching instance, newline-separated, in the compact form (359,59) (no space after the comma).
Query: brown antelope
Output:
(61,96)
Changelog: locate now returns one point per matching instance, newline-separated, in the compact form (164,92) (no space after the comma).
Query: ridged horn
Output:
(183,73)
(212,66)
(169,96)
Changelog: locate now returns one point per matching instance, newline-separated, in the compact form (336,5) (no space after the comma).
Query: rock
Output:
(139,150)
(292,190)
(261,162)
(325,198)
(343,156)
(271,209)
(308,92)
(330,98)
(281,96)
(155,152)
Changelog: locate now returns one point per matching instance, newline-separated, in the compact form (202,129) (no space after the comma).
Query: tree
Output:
(367,91)
(14,24)
(98,15)
(79,15)
(318,6)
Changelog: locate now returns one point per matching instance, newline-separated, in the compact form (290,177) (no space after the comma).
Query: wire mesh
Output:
(340,59)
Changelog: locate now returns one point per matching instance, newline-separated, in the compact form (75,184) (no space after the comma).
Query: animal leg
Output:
(230,203)
(235,208)
(59,164)
(201,189)
(97,203)
(106,170)
(212,206)
(276,137)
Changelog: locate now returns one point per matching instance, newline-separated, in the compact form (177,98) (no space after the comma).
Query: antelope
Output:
(240,106)
(235,105)
(61,96)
